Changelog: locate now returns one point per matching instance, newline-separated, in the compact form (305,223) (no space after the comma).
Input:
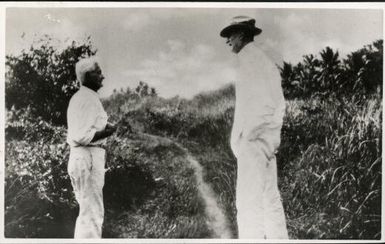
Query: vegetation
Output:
(360,74)
(45,78)
(329,160)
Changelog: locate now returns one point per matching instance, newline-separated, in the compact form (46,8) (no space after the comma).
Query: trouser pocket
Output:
(266,142)
(79,170)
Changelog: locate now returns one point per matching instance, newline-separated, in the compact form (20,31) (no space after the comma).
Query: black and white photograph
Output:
(195,122)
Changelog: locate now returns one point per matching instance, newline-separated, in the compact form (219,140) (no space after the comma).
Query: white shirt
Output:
(85,116)
(260,105)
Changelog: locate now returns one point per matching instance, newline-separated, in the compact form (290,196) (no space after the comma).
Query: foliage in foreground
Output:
(329,159)
(329,166)
(150,189)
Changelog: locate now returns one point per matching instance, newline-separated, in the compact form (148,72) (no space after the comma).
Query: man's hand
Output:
(108,131)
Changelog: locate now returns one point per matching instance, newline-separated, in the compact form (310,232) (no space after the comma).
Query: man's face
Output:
(235,41)
(96,77)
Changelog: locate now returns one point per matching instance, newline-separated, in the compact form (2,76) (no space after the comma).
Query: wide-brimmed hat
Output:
(241,23)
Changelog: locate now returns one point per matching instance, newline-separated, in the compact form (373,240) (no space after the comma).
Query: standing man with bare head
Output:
(87,133)
(255,135)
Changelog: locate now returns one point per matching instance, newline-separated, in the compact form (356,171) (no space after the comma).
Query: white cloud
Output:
(63,30)
(136,21)
(179,51)
(297,37)
(176,45)
(310,32)
(182,70)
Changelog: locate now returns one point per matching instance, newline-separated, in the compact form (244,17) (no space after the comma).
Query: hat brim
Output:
(227,31)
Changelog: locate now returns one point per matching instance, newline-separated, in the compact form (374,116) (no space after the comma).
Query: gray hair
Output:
(83,66)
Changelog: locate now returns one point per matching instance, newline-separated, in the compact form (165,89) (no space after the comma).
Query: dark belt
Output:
(98,146)
(90,146)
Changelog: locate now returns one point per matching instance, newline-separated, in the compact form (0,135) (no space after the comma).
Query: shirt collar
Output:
(89,91)
(248,47)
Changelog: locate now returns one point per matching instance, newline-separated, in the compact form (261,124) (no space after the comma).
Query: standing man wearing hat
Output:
(87,132)
(255,135)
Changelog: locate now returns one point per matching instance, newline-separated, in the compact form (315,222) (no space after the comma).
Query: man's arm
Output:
(108,131)
(82,116)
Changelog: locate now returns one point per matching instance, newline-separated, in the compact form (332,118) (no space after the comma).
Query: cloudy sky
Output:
(178,50)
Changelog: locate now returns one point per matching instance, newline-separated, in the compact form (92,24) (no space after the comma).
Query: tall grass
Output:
(330,158)
(329,166)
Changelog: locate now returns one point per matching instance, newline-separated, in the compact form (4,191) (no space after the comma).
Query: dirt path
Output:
(216,219)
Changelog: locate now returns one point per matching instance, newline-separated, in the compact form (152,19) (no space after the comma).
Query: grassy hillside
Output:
(329,160)
(171,173)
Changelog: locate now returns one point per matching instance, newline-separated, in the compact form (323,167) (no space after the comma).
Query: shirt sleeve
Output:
(82,118)
(277,94)
(280,110)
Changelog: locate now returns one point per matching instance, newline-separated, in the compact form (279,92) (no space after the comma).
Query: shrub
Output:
(38,194)
(44,77)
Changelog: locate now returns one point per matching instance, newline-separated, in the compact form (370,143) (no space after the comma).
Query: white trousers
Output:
(260,213)
(86,170)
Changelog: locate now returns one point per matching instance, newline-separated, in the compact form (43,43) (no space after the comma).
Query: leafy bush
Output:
(44,76)
(38,194)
